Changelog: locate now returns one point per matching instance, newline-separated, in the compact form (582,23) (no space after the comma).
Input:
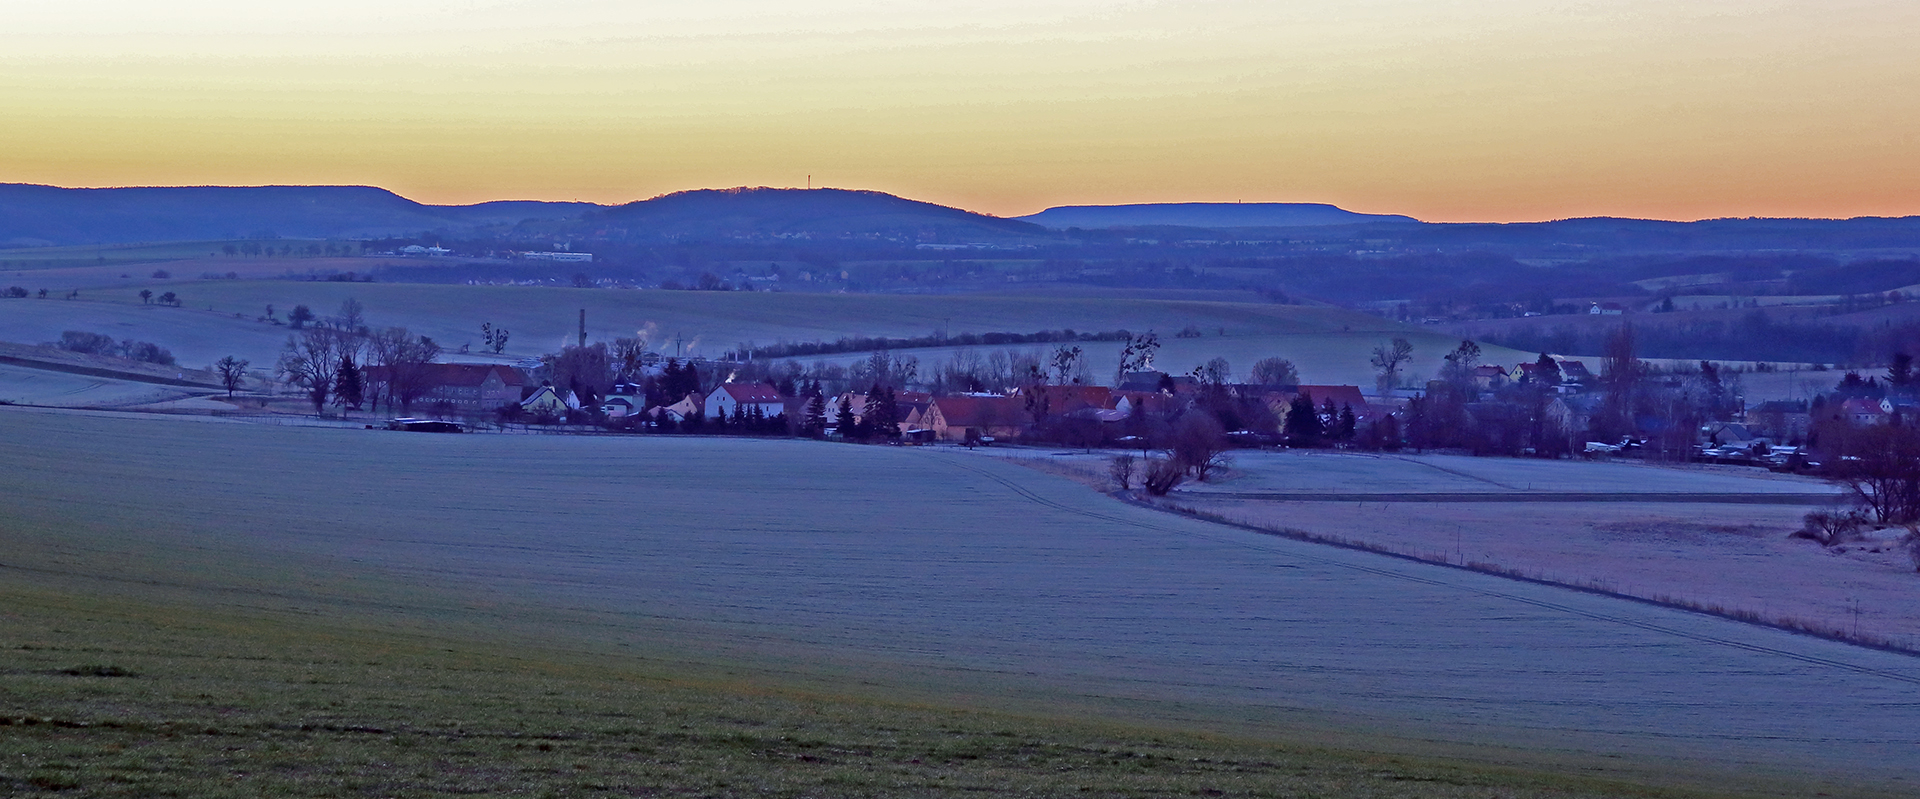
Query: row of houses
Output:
(976,417)
(482,389)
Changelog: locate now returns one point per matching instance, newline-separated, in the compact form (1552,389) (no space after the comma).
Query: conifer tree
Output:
(816,419)
(348,388)
(843,419)
(1303,427)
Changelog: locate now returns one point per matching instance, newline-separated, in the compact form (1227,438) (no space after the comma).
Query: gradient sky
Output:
(1492,110)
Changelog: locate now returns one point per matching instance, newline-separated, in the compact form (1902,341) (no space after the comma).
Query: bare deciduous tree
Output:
(353,316)
(1389,359)
(586,371)
(309,361)
(233,373)
(404,359)
(1880,466)
(1122,468)
(1199,443)
(1275,372)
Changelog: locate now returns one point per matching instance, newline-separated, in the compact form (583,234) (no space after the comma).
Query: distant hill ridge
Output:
(35,215)
(753,212)
(1204,215)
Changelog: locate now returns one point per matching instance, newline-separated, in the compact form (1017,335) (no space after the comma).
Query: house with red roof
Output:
(973,418)
(468,387)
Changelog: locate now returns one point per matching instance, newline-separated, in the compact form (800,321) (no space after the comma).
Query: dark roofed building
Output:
(965,418)
(468,387)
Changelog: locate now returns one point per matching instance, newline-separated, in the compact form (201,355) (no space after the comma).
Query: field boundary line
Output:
(1532,496)
(1454,472)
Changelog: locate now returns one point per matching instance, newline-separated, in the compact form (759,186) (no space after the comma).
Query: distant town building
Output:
(559,257)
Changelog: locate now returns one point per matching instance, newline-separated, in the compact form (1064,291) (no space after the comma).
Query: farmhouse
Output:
(1784,420)
(970,419)
(728,396)
(1065,399)
(1573,371)
(468,387)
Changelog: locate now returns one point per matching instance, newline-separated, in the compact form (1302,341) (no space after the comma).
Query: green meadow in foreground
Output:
(105,699)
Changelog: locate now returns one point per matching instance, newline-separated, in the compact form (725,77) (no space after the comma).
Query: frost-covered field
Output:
(925,569)
(26,386)
(1331,344)
(1308,472)
(1712,537)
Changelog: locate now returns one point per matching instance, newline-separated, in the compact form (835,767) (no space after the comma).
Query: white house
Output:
(544,401)
(728,395)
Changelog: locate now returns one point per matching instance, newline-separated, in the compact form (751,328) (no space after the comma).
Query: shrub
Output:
(88,343)
(97,670)
(146,352)
(1122,469)
(1832,527)
(1162,475)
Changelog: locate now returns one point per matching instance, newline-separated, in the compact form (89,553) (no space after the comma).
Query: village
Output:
(1549,407)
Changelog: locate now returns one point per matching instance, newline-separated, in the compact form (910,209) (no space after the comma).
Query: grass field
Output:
(24,386)
(328,601)
(110,698)
(1331,345)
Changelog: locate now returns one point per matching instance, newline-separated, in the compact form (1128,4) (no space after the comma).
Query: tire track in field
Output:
(1030,496)
(1402,576)
(1454,472)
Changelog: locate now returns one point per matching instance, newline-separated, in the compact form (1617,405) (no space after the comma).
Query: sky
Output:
(1446,110)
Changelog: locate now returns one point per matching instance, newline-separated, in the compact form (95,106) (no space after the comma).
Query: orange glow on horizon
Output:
(1501,112)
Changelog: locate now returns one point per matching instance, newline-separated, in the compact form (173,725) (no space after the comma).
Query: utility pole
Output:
(583,327)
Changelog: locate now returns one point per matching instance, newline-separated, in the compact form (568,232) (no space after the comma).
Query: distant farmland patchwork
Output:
(1330,345)
(930,576)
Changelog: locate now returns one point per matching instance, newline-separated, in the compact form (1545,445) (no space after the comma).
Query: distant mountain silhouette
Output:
(1203,215)
(33,215)
(803,214)
(1590,236)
